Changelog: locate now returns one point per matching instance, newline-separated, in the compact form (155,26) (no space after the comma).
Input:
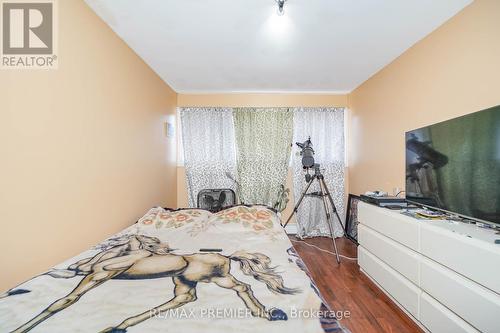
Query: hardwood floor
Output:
(345,288)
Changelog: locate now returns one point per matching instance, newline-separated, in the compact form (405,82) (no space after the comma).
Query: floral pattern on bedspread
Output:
(161,217)
(257,218)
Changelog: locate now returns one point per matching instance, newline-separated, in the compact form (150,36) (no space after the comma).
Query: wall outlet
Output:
(169,130)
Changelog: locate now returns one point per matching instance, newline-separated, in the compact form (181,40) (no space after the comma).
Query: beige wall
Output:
(83,150)
(453,71)
(261,100)
(253,100)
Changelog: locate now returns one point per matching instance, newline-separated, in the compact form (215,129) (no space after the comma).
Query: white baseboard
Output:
(291,229)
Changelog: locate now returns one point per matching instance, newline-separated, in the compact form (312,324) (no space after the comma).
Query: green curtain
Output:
(263,144)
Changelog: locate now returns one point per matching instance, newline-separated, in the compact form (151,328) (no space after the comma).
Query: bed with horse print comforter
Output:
(177,271)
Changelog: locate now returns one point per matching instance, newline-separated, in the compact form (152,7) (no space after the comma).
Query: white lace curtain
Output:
(209,150)
(325,126)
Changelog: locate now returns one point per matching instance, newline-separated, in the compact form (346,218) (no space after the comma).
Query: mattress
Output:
(177,271)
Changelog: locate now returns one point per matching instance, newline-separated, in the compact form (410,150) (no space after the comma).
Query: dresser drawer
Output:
(475,260)
(477,305)
(397,256)
(396,285)
(400,228)
(438,319)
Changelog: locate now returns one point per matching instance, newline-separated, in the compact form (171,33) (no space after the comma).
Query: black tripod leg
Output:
(328,218)
(298,202)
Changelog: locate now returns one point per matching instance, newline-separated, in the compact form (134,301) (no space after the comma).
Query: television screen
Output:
(455,165)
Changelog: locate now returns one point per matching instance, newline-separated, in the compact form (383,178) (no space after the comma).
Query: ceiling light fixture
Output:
(281,7)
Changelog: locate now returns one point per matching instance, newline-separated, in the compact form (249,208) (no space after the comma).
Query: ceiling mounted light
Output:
(281,7)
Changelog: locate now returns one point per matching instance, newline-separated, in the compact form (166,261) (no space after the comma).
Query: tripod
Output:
(326,197)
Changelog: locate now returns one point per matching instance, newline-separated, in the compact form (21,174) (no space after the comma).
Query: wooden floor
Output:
(345,288)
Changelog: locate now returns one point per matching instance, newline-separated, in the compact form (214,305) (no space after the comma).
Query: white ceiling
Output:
(204,46)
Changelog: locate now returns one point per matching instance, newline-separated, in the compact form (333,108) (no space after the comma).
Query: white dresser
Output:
(445,275)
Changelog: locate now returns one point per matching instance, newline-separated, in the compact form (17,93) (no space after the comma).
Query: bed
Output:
(177,271)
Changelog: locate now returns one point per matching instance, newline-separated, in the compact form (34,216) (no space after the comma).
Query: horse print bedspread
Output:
(176,271)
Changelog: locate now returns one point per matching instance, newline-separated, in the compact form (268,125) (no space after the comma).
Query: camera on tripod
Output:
(307,153)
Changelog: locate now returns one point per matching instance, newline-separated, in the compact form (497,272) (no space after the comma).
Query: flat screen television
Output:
(454,165)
